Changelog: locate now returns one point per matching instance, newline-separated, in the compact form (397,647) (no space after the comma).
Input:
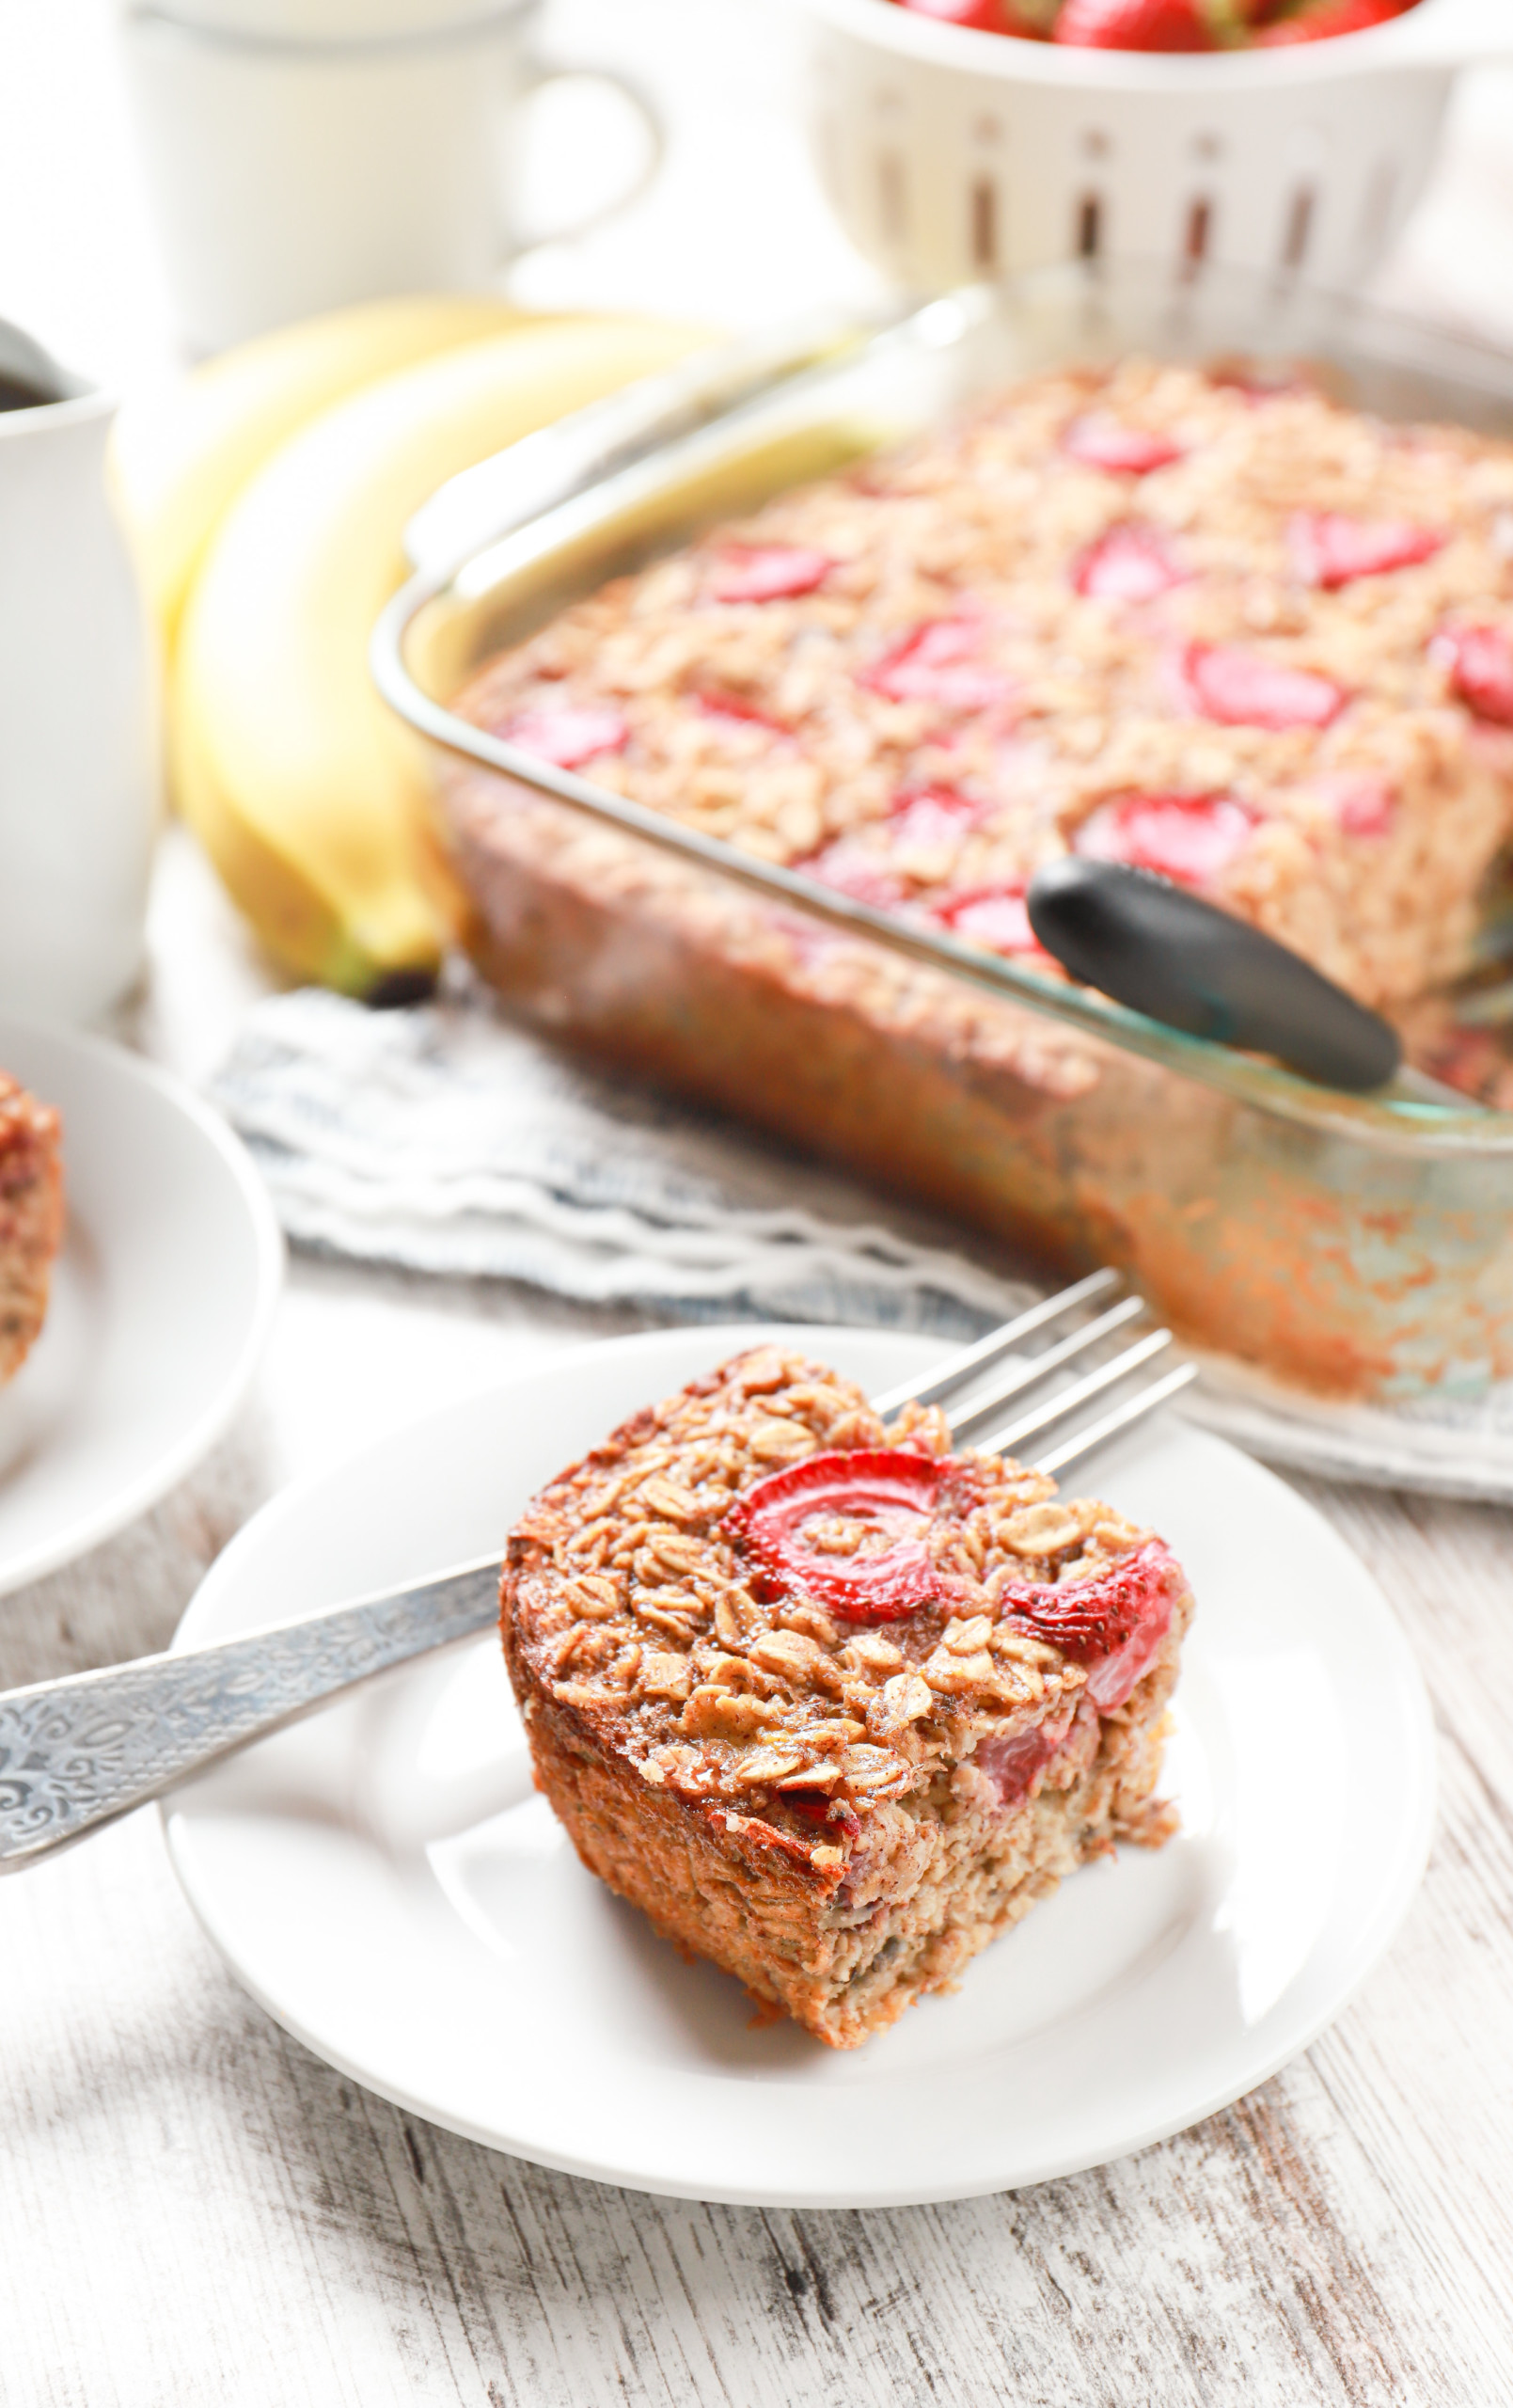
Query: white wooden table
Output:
(193,2210)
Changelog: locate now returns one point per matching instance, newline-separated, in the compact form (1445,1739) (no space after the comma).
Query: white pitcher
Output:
(79,754)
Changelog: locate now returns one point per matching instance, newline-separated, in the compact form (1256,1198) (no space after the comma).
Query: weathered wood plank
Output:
(127,1597)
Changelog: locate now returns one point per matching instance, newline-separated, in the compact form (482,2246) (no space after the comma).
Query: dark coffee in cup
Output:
(16,395)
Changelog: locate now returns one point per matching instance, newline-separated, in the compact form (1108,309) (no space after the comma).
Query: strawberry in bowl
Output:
(969,140)
(1158,26)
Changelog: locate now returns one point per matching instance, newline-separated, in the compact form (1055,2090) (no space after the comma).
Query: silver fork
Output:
(76,1753)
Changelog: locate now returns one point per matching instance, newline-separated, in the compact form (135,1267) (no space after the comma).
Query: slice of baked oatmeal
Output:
(31,1218)
(833,1706)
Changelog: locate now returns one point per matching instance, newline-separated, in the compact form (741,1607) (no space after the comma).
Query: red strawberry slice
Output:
(851,869)
(1113,1623)
(783,1520)
(1099,441)
(569,737)
(936,662)
(768,572)
(1012,1764)
(931,816)
(1364,805)
(1134,24)
(1333,17)
(1331,550)
(857,864)
(737,712)
(1480,661)
(818,1806)
(1130,564)
(1245,690)
(1190,838)
(995,918)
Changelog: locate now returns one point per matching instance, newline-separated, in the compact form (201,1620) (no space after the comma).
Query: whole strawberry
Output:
(1322,22)
(1134,24)
(982,16)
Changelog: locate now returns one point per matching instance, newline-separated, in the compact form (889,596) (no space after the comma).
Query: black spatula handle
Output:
(1169,954)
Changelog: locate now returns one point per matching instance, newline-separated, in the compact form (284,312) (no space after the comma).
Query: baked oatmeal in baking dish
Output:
(1240,636)
(834,1707)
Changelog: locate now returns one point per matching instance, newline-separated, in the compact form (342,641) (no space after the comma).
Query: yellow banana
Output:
(306,791)
(179,460)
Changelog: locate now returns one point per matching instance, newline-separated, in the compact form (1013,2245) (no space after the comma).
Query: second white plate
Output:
(385,1880)
(161,1305)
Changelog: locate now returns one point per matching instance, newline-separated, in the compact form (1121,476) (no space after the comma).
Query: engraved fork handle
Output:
(76,1753)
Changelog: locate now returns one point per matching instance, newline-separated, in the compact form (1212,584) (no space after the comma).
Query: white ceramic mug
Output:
(79,768)
(294,172)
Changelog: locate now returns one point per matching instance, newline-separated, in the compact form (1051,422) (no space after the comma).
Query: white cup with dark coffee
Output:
(301,154)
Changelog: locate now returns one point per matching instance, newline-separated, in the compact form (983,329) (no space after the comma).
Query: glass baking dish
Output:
(1353,1247)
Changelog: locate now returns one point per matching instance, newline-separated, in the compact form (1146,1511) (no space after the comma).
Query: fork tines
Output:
(973,1420)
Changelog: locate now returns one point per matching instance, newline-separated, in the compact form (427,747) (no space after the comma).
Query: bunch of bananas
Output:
(267,502)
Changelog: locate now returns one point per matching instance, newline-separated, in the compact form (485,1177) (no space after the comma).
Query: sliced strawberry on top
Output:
(1242,688)
(931,816)
(818,1806)
(862,863)
(936,662)
(1332,17)
(1101,441)
(1190,838)
(1331,550)
(872,1505)
(1113,1623)
(1480,661)
(737,711)
(768,572)
(1012,1761)
(569,737)
(928,815)
(852,868)
(1128,564)
(1134,24)
(1364,805)
(995,917)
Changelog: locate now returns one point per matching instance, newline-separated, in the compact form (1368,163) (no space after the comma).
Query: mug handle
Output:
(526,238)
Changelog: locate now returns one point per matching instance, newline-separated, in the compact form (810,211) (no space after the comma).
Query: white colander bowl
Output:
(951,155)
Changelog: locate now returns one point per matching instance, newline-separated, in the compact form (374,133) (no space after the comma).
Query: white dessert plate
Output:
(385,1881)
(162,1301)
